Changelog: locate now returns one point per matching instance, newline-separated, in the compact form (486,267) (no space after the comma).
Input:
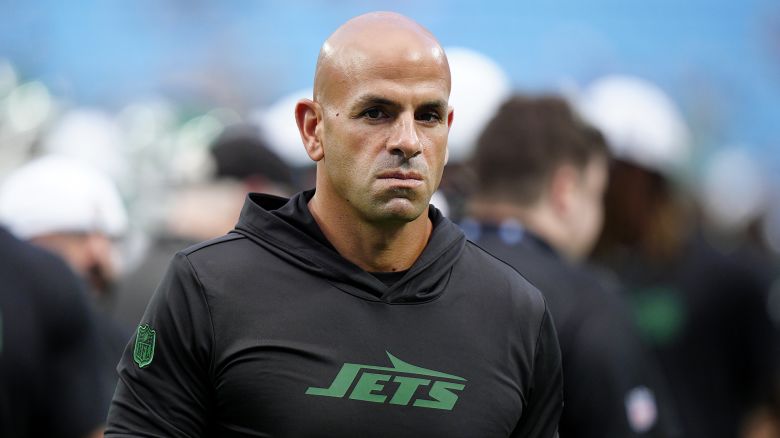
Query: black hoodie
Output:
(268,331)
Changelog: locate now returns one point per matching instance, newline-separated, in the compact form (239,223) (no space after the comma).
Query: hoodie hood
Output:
(286,228)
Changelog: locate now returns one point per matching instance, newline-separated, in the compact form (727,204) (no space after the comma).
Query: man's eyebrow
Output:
(373,99)
(439,105)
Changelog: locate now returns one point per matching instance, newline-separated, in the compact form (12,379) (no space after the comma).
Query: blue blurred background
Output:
(141,90)
(719,59)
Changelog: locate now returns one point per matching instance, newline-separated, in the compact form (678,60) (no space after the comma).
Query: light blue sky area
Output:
(720,60)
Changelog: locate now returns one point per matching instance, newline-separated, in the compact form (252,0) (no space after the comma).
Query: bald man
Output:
(354,309)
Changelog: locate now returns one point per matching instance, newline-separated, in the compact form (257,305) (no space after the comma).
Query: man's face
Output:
(384,136)
(587,214)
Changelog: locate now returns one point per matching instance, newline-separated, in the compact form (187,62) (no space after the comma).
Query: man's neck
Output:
(372,247)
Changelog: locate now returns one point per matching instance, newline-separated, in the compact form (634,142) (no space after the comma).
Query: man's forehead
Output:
(391,86)
(386,53)
(384,43)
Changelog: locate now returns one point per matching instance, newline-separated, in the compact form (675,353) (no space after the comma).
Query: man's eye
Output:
(429,117)
(374,114)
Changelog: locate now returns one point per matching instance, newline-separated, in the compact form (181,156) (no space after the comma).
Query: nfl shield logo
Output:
(641,409)
(143,353)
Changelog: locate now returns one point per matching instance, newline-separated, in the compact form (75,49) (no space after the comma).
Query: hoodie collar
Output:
(287,228)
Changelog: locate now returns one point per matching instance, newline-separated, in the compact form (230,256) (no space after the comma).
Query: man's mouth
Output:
(400,175)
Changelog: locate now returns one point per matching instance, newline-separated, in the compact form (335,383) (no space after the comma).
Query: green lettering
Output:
(364,390)
(340,384)
(369,382)
(443,397)
(408,386)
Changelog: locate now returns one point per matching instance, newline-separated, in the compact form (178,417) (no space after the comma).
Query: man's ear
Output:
(563,186)
(308,116)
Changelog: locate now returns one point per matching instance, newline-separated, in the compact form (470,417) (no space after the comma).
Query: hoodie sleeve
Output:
(165,380)
(545,403)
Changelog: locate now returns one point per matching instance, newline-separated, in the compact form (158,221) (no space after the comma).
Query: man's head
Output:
(71,209)
(242,154)
(537,155)
(379,121)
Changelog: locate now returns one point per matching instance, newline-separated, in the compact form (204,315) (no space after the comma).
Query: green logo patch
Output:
(145,339)
(660,314)
(404,384)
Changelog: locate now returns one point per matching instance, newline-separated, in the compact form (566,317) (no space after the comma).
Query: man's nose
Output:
(404,140)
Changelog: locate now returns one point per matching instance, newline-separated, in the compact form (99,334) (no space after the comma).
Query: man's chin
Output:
(401,210)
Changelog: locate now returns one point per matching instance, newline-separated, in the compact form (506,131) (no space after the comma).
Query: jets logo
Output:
(402,384)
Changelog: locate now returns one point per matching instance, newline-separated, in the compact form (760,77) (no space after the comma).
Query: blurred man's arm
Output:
(75,403)
(164,384)
(615,384)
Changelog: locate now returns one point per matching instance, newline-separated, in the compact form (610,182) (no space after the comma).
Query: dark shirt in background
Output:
(612,385)
(50,383)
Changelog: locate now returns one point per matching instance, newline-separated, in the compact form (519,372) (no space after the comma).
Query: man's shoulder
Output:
(217,254)
(24,259)
(212,245)
(557,278)
(39,272)
(574,292)
(235,254)
(225,250)
(502,276)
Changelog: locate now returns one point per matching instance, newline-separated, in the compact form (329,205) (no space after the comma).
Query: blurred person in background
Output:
(704,312)
(243,163)
(70,209)
(354,309)
(479,86)
(49,370)
(541,175)
(731,208)
(734,203)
